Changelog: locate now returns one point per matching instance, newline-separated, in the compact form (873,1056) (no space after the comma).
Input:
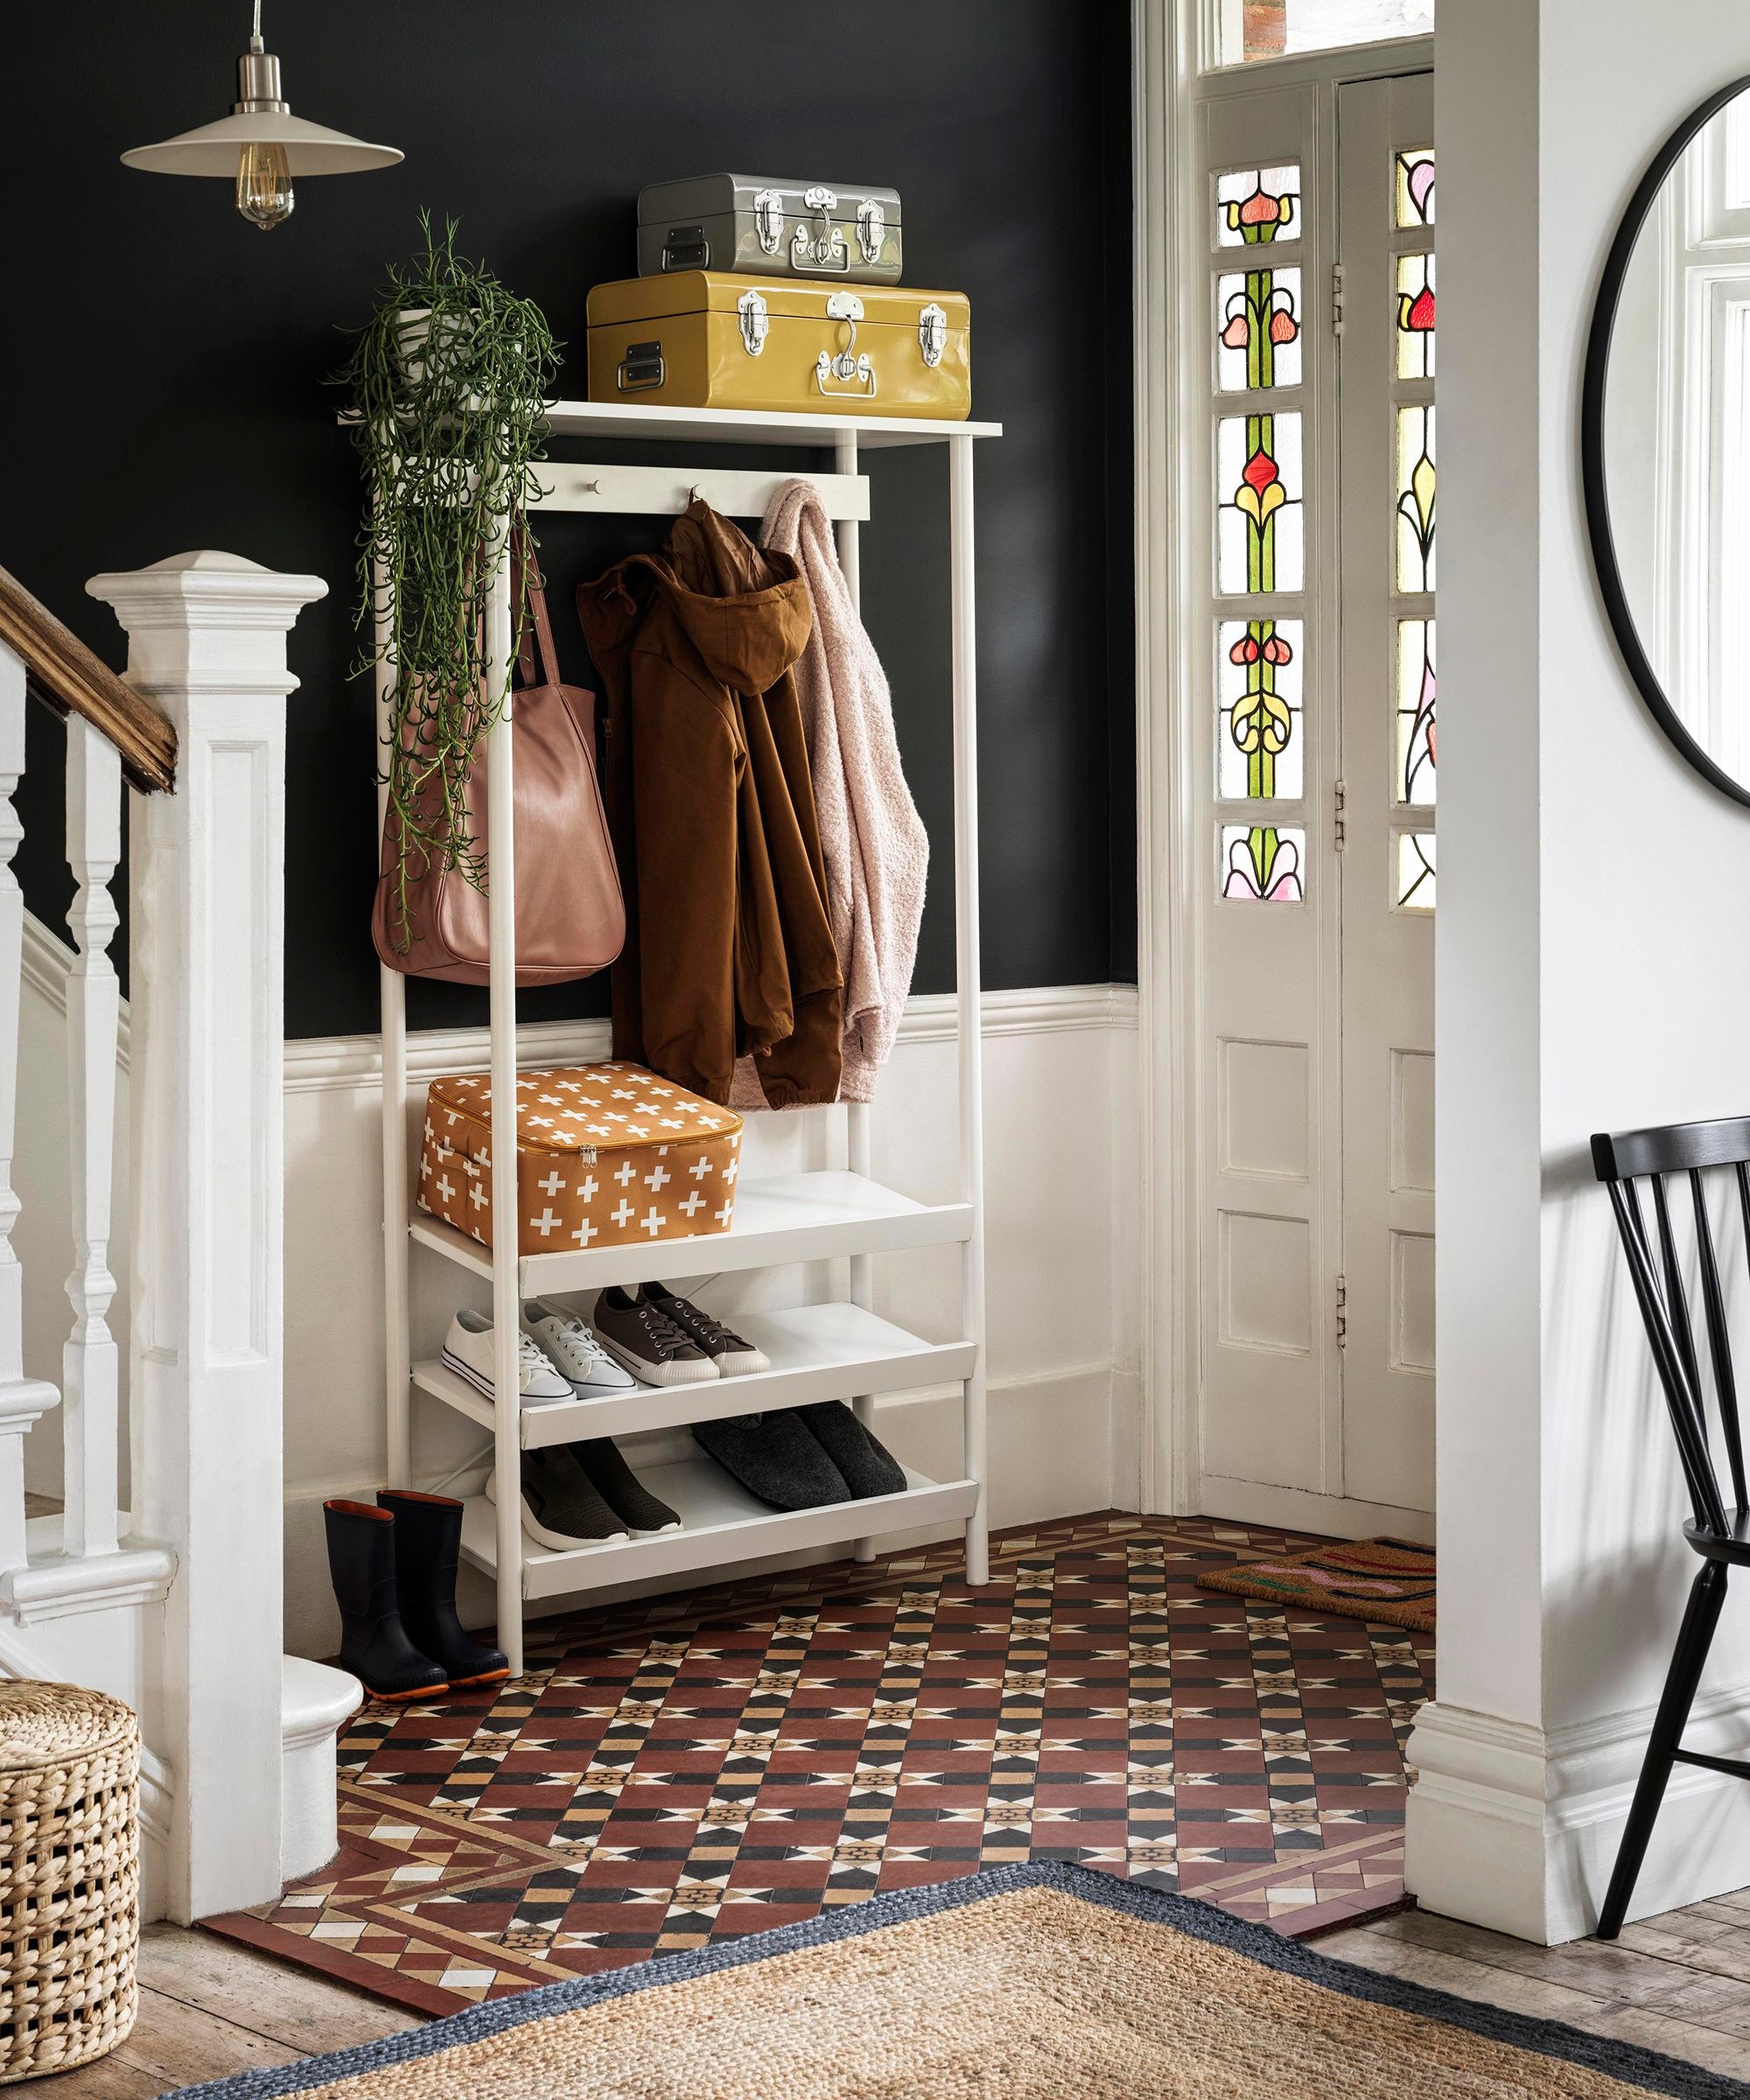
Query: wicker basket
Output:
(69,1876)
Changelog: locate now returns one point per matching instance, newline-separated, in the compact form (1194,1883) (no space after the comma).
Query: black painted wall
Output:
(162,368)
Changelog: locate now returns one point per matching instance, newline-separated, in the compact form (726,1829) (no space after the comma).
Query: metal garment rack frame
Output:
(831,1350)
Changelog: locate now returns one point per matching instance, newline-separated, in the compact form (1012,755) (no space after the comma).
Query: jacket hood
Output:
(746,611)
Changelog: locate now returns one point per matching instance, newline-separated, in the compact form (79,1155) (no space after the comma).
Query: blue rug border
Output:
(1625,2061)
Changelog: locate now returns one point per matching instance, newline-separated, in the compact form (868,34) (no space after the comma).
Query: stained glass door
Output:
(1388,749)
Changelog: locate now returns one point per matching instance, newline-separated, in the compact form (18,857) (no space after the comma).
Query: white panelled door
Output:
(1314,746)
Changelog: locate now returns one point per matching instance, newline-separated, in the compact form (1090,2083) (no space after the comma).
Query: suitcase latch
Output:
(755,322)
(932,333)
(871,228)
(819,245)
(768,219)
(846,309)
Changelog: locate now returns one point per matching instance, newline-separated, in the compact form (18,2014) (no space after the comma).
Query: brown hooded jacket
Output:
(728,950)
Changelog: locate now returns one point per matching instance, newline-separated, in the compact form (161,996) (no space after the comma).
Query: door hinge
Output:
(1342,1312)
(1342,797)
(1336,298)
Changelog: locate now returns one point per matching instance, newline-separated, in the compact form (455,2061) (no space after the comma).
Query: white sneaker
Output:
(575,1352)
(468,1352)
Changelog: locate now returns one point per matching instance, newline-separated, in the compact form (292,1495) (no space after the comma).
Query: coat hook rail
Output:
(666,491)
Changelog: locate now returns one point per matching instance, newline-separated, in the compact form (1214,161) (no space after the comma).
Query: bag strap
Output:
(528,589)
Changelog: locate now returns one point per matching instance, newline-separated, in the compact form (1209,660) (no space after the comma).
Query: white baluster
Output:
(21,1399)
(90,1360)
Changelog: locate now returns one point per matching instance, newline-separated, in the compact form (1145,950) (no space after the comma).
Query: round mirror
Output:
(1665,435)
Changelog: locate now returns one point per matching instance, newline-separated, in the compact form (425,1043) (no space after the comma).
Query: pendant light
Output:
(261,146)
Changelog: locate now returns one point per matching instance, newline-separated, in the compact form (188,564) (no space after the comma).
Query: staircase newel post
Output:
(207,636)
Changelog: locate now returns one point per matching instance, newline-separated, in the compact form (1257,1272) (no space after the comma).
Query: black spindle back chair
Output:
(1718,1531)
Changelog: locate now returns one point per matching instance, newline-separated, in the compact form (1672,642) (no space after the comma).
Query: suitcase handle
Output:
(859,373)
(686,247)
(640,369)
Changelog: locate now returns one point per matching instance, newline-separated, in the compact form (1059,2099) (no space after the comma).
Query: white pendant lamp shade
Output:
(261,146)
(214,149)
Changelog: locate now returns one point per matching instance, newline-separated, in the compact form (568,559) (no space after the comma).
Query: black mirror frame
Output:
(1592,443)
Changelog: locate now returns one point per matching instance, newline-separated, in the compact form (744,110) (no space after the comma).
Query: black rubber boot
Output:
(428,1544)
(374,1643)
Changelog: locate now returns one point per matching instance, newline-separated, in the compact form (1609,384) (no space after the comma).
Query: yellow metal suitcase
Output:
(706,338)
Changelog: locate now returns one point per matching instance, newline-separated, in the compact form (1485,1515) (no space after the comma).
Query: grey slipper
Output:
(775,1458)
(642,1513)
(869,1467)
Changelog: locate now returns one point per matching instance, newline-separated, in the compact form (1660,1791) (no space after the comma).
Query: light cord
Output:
(256,43)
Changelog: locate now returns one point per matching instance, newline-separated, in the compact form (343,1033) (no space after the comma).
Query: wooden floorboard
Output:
(1679,1984)
(208,2008)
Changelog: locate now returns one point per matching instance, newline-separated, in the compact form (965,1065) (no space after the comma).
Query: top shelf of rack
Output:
(751,426)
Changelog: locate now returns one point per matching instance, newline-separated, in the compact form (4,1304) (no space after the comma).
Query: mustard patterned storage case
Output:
(706,338)
(607,1156)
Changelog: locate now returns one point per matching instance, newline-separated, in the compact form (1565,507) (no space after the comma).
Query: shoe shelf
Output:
(779,1218)
(817,1352)
(722,1525)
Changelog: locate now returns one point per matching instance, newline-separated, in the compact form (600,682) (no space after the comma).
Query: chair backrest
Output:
(1621,1159)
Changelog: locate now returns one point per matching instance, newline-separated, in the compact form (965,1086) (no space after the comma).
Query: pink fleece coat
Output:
(876,850)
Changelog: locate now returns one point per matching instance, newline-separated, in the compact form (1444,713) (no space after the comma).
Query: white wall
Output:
(1060,1080)
(1591,977)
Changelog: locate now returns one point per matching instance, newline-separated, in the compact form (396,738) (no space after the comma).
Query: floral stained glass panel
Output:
(1415,316)
(1257,329)
(1415,871)
(1415,188)
(1254,206)
(1259,544)
(1257,674)
(1415,730)
(1262,864)
(1415,498)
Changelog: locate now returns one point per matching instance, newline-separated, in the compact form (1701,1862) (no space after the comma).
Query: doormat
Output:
(1387,1581)
(1030,1982)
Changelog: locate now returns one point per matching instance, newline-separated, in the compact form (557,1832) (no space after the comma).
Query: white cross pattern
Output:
(585,1233)
(654,1179)
(624,1173)
(700,1168)
(693,1204)
(586,1188)
(622,1214)
(477,1195)
(728,1172)
(550,1184)
(546,1223)
(445,1187)
(725,1214)
(653,1221)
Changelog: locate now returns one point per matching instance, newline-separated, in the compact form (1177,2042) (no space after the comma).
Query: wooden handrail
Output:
(66,676)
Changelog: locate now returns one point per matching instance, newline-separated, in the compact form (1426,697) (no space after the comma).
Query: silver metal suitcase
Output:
(773,228)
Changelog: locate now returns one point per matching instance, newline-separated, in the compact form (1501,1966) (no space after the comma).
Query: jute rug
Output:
(1042,1982)
(1388,1581)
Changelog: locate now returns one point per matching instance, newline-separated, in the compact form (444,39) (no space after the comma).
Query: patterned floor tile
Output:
(689,1770)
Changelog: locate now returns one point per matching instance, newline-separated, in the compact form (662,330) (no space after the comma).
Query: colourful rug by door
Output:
(1387,1581)
(1030,1982)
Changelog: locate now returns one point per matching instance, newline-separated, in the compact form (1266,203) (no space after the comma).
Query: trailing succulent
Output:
(448,382)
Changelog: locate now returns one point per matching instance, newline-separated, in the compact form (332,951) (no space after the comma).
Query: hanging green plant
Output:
(449,381)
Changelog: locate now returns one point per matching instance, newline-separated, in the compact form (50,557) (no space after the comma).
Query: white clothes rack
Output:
(840,1349)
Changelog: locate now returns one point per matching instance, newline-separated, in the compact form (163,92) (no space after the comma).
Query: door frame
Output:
(1167,40)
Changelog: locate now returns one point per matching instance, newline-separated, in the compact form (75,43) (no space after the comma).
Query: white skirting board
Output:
(1516,1830)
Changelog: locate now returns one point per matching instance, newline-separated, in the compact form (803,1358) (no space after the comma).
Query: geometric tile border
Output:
(680,1771)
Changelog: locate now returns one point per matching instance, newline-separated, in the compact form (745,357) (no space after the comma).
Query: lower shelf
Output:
(724,1525)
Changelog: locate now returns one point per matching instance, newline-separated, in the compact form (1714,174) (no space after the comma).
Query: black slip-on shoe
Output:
(775,1458)
(561,1507)
(869,1467)
(642,1513)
